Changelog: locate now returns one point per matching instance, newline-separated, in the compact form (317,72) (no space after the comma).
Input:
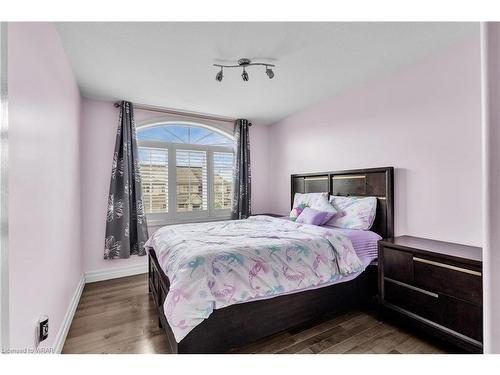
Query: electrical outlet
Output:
(43,328)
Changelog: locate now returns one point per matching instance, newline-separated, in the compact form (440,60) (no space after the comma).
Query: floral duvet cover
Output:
(217,264)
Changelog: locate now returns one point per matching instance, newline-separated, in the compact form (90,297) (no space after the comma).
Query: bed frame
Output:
(242,324)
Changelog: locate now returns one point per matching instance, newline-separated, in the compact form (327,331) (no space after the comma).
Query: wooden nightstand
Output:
(434,285)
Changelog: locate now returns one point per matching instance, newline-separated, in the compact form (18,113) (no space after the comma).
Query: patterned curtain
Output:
(241,172)
(126,227)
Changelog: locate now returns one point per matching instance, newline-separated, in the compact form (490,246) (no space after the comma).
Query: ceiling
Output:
(169,64)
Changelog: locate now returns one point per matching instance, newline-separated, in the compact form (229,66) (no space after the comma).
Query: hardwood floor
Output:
(118,316)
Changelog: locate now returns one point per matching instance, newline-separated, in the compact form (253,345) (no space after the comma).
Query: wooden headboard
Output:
(372,182)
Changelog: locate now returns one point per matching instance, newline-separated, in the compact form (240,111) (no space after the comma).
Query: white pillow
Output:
(322,204)
(308,198)
(353,212)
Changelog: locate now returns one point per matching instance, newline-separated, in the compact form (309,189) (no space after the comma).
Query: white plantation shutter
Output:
(188,166)
(154,175)
(222,180)
(191,180)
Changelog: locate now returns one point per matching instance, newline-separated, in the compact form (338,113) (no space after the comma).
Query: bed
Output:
(237,319)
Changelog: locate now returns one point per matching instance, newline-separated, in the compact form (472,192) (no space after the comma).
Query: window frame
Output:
(173,216)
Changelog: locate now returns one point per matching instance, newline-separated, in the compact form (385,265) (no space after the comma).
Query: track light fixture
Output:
(243,63)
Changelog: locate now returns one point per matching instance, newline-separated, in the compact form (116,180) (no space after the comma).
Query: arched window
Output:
(186,171)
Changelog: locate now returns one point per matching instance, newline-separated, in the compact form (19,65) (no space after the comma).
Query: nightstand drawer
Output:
(462,317)
(459,282)
(398,265)
(415,300)
(457,315)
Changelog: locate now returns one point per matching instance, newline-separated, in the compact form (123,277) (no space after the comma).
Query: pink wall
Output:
(98,134)
(424,120)
(44,181)
(259,155)
(99,123)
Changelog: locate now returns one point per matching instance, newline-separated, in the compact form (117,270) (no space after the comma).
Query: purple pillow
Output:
(313,217)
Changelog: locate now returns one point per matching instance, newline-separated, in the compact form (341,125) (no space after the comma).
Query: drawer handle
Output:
(444,265)
(435,295)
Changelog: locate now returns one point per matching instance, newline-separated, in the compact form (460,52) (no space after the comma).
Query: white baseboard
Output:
(68,317)
(114,273)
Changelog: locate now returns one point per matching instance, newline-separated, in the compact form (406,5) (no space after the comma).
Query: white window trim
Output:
(172,216)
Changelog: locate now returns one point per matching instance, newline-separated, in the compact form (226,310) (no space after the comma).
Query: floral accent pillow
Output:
(322,204)
(313,200)
(313,217)
(307,198)
(296,211)
(353,212)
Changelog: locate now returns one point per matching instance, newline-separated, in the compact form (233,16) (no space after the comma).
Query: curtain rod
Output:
(203,116)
